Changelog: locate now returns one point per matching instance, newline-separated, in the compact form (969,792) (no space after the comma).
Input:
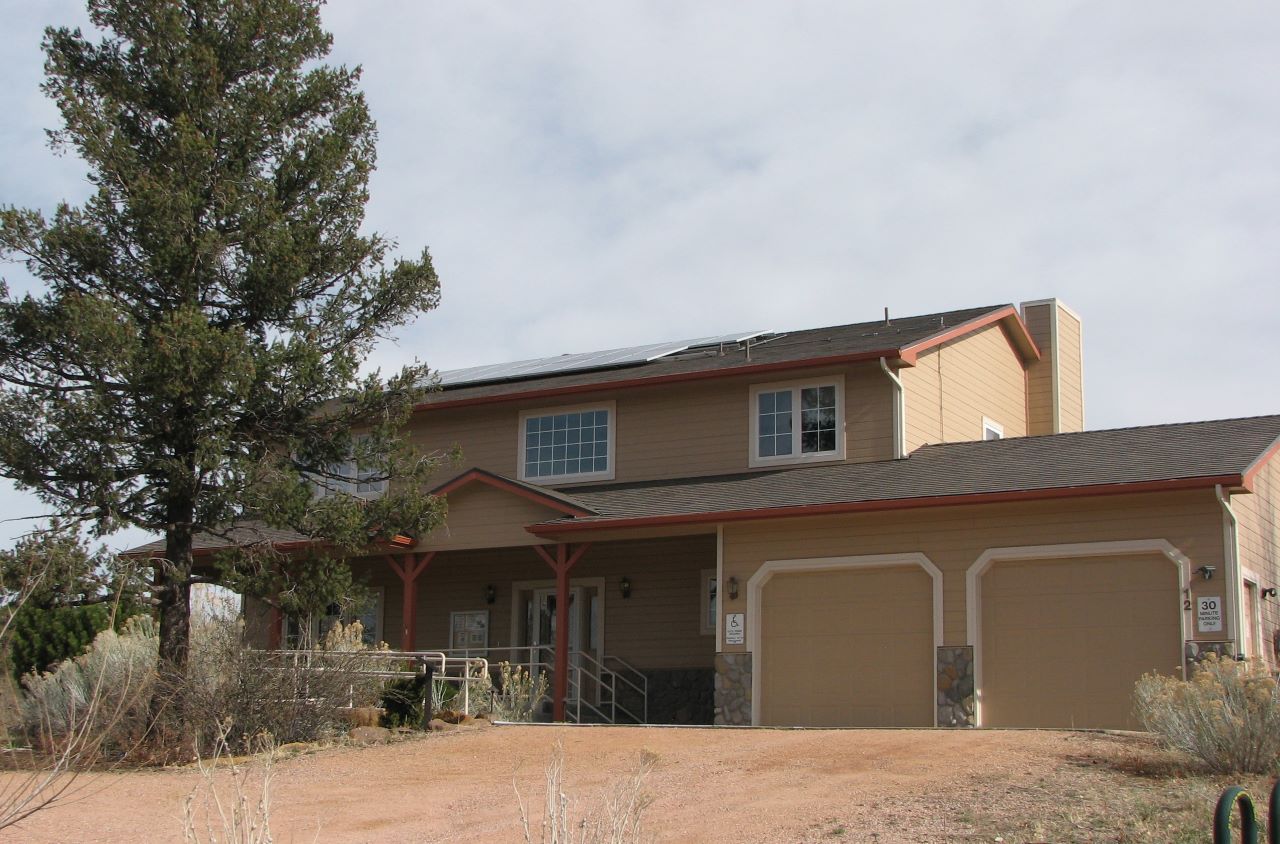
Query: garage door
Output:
(848,648)
(1063,641)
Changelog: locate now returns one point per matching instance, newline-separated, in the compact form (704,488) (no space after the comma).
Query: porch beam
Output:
(408,572)
(561,564)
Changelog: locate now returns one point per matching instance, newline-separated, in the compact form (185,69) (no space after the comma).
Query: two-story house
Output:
(896,523)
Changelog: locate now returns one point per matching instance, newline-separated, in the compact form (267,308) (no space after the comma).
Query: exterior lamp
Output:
(1206,572)
(733,588)
(490,594)
(625,586)
(1269,592)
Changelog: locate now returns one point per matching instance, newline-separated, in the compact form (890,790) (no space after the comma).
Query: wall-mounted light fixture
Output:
(1269,592)
(733,588)
(625,586)
(490,594)
(1206,572)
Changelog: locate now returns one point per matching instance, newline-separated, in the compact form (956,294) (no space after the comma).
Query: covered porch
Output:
(623,626)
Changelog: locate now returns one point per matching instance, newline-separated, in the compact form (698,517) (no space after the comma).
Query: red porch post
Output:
(561,564)
(275,628)
(414,565)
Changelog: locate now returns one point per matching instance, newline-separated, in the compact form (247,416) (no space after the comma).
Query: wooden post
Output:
(561,564)
(414,565)
(275,629)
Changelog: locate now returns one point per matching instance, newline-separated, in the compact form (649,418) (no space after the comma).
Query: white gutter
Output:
(1231,553)
(899,412)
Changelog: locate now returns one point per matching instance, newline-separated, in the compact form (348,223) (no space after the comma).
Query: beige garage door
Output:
(1063,641)
(848,648)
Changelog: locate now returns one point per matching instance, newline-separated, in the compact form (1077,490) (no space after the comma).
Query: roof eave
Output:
(1008,316)
(553,529)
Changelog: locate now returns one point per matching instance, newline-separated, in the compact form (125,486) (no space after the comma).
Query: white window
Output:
(710,604)
(567,444)
(351,479)
(793,423)
(992,430)
(309,631)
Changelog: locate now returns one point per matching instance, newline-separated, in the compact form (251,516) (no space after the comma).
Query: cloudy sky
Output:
(595,175)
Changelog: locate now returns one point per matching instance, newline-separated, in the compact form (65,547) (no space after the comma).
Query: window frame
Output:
(754,459)
(610,407)
(989,424)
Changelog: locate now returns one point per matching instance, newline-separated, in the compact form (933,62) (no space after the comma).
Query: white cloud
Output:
(590,175)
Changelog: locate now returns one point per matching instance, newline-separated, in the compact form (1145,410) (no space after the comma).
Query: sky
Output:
(595,175)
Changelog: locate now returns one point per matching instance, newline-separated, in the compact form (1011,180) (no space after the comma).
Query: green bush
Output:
(41,638)
(402,702)
(1227,715)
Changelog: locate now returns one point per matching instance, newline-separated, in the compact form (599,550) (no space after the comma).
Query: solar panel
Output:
(584,362)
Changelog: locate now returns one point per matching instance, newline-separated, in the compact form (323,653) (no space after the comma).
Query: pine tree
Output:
(194,358)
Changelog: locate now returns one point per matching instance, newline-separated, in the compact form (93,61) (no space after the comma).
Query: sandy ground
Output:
(707,786)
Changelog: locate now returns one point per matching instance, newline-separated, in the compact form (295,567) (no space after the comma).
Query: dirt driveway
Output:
(707,786)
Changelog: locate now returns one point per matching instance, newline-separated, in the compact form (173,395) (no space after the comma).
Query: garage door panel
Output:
(857,645)
(1069,658)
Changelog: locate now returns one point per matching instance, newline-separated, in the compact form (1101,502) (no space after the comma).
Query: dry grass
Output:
(617,820)
(1126,789)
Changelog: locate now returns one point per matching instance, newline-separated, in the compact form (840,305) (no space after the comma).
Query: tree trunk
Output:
(173,583)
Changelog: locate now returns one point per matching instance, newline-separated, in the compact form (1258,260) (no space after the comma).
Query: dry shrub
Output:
(103,693)
(518,694)
(1227,715)
(295,696)
(617,820)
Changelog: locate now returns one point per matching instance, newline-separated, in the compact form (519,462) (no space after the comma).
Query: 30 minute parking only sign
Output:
(1209,614)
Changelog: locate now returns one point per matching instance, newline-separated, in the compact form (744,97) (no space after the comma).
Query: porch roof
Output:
(1151,458)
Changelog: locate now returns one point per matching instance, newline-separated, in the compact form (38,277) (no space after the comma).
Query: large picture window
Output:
(792,423)
(567,444)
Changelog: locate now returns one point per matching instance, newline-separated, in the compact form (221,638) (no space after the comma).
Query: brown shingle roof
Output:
(794,347)
(248,532)
(1198,453)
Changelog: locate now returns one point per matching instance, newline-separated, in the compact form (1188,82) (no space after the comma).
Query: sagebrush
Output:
(1226,715)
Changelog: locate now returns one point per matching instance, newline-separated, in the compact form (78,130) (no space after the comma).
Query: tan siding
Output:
(657,627)
(1258,515)
(952,387)
(924,402)
(954,537)
(668,431)
(1039,319)
(1070,372)
(981,375)
(483,517)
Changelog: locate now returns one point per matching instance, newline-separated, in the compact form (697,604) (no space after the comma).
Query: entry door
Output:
(542,630)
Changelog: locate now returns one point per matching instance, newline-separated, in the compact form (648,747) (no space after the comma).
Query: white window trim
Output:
(989,424)
(707,625)
(555,480)
(753,447)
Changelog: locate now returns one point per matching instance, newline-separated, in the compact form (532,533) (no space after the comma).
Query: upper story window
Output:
(351,478)
(992,430)
(567,444)
(792,423)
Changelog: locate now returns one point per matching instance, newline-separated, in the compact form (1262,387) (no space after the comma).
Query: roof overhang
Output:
(560,528)
(1007,316)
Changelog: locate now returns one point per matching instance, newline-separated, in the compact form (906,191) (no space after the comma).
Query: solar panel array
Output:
(585,362)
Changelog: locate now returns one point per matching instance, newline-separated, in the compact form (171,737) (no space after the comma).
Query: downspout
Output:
(899,412)
(1231,552)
